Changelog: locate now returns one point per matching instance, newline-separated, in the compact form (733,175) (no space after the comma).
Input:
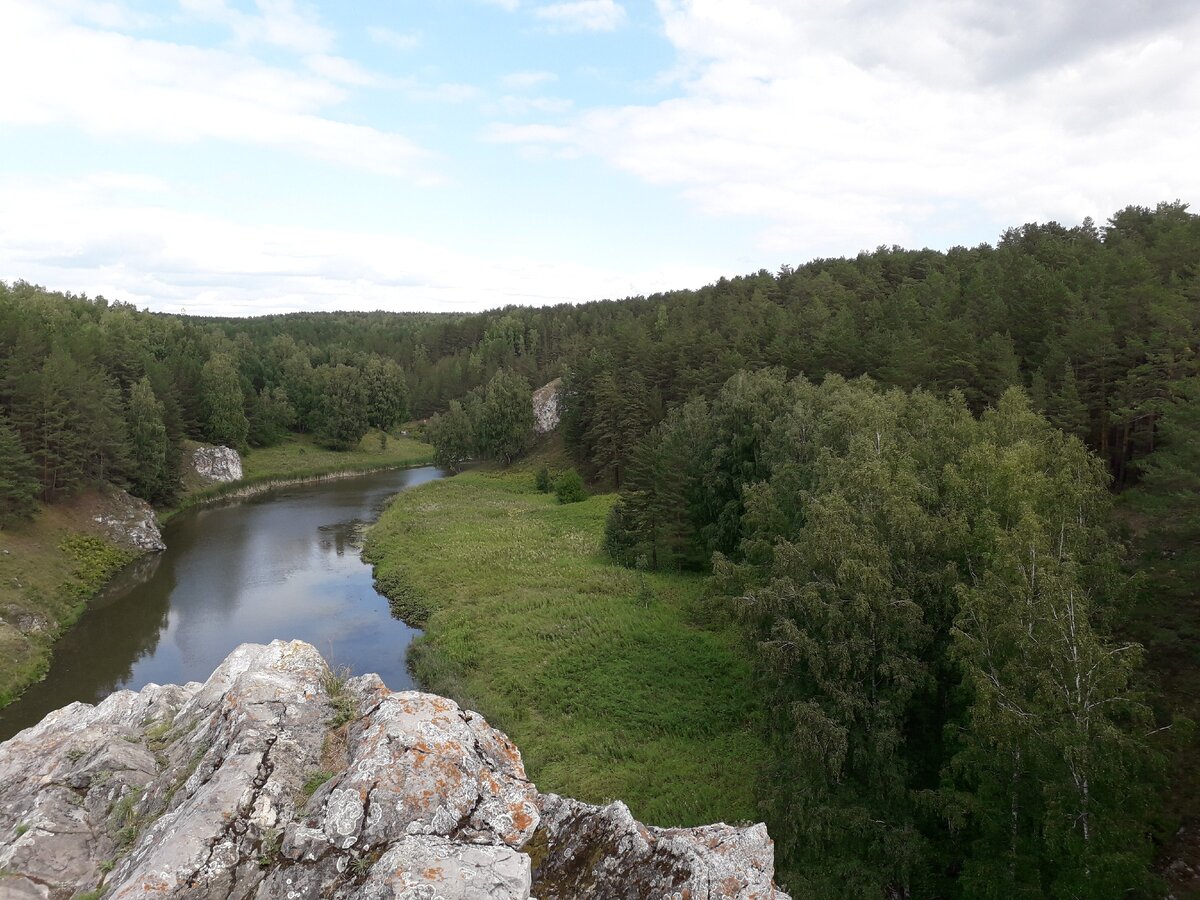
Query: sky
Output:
(243,157)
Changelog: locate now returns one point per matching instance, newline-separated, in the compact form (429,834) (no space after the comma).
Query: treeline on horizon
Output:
(899,470)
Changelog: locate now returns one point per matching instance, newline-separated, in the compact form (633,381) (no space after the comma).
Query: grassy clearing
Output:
(613,684)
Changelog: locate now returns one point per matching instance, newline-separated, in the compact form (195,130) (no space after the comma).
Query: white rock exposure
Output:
(129,521)
(545,407)
(217,463)
(275,779)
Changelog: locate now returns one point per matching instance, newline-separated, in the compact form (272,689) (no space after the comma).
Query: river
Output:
(284,564)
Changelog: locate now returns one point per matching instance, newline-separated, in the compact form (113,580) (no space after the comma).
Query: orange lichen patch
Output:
(521,819)
(731,886)
(433,873)
(441,704)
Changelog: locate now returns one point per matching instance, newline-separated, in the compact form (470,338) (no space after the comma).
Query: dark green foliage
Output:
(18,484)
(924,589)
(568,487)
(450,435)
(542,480)
(153,474)
(341,417)
(271,417)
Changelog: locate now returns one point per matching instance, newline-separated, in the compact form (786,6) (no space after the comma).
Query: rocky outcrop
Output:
(217,464)
(276,778)
(129,522)
(545,407)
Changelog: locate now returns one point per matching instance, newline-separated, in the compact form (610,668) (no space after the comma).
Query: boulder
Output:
(545,407)
(217,464)
(129,521)
(278,778)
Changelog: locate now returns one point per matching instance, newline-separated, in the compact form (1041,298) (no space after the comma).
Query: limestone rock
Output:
(275,778)
(545,407)
(217,464)
(129,521)
(583,851)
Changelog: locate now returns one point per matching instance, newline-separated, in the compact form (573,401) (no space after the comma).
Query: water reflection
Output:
(280,565)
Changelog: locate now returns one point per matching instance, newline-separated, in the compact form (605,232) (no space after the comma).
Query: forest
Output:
(952,498)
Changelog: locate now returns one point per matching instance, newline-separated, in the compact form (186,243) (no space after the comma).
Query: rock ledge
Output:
(276,778)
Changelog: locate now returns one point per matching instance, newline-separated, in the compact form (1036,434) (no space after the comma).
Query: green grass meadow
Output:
(615,684)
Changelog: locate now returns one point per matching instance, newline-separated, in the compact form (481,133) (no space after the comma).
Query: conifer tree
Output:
(18,485)
(152,474)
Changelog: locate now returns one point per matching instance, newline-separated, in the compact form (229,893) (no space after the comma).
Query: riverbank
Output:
(614,684)
(51,568)
(298,459)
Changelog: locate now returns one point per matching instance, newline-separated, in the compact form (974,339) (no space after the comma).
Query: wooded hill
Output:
(900,466)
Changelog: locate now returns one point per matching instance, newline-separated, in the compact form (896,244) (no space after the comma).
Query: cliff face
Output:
(129,522)
(275,778)
(545,407)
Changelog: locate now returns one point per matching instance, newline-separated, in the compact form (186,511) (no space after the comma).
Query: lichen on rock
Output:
(217,464)
(129,521)
(275,778)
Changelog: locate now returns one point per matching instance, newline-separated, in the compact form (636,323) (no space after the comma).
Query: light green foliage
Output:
(223,403)
(451,436)
(568,487)
(95,560)
(386,393)
(606,696)
(502,424)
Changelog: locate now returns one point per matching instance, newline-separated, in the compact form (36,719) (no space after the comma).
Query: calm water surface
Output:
(280,565)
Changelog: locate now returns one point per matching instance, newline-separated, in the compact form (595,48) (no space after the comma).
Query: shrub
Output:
(542,481)
(569,487)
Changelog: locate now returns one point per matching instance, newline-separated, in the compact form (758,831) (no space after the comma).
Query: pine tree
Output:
(153,477)
(18,483)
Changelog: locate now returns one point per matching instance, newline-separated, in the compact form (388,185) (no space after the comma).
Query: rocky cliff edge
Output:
(277,778)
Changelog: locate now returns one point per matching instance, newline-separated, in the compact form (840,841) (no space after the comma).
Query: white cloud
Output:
(340,69)
(389,37)
(517,81)
(106,83)
(520,105)
(114,235)
(280,23)
(843,126)
(582,15)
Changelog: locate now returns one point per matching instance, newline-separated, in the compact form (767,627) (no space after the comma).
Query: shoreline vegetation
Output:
(615,684)
(300,460)
(53,566)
